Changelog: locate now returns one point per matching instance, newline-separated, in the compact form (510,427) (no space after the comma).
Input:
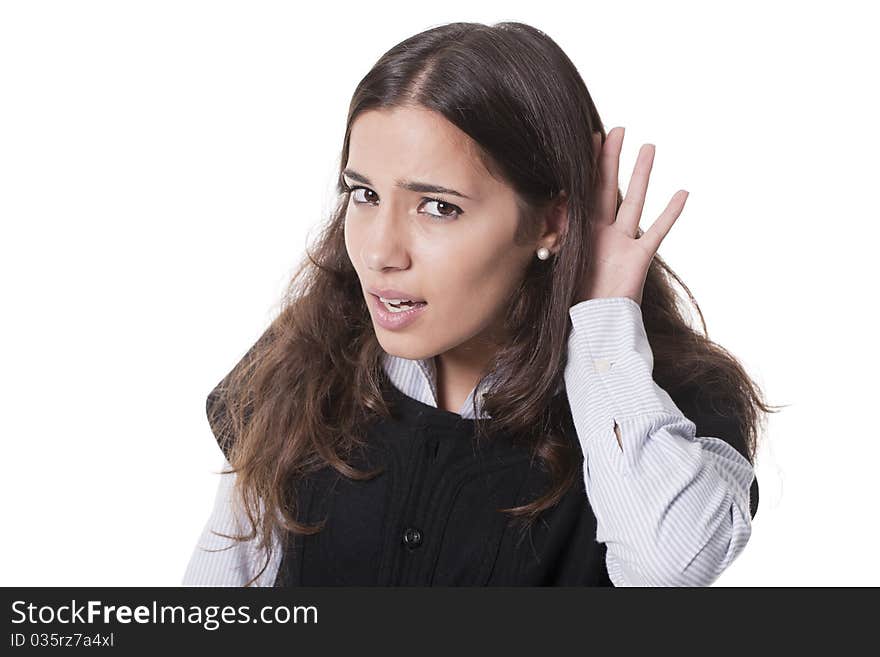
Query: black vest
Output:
(431,518)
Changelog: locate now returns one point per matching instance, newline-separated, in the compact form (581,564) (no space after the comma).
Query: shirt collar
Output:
(418,379)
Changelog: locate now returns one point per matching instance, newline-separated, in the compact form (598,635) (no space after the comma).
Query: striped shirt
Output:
(672,508)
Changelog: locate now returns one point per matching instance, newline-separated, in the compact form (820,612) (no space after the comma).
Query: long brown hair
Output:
(300,398)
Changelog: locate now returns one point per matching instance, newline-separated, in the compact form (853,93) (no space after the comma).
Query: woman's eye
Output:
(444,211)
(355,190)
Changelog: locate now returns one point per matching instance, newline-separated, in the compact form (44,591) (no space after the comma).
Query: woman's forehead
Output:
(418,145)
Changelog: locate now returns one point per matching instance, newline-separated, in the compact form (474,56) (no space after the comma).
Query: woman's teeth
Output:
(400,305)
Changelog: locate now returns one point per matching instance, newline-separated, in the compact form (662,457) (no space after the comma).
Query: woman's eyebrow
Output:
(411,185)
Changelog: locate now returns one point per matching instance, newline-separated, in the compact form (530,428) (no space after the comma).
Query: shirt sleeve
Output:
(672,508)
(219,561)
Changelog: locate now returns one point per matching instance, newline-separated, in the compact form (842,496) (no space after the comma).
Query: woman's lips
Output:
(395,321)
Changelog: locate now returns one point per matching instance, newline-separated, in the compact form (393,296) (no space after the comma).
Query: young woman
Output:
(481,375)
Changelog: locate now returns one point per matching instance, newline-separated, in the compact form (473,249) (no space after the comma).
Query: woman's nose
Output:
(384,241)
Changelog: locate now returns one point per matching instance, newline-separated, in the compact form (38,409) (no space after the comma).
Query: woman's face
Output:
(456,253)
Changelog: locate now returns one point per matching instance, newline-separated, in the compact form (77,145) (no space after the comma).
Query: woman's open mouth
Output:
(394,314)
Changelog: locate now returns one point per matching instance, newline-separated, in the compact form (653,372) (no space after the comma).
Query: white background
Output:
(162,165)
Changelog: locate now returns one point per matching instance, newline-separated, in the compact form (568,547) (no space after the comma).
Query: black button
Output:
(412,537)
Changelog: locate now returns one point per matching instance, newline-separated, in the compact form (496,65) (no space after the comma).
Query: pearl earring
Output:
(543,253)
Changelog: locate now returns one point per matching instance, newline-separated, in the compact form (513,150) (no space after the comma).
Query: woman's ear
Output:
(555,222)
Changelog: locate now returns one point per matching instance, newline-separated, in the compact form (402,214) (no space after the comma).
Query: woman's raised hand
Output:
(620,260)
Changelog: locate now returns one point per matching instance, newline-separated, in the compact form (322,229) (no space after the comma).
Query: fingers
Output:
(609,161)
(658,230)
(634,201)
